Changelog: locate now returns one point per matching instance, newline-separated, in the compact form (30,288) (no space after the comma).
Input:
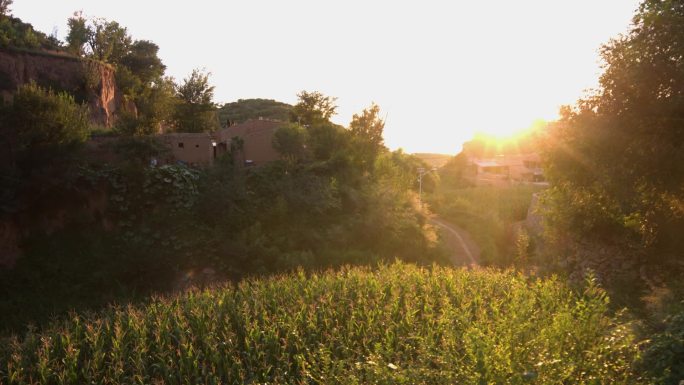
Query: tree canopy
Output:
(616,159)
(313,107)
(195,111)
(367,129)
(4,7)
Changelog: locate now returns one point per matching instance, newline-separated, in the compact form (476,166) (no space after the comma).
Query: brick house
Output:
(256,137)
(195,149)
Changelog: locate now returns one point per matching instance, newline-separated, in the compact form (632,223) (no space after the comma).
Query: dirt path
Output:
(465,251)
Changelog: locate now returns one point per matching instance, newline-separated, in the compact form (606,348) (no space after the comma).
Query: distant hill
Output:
(434,160)
(246,109)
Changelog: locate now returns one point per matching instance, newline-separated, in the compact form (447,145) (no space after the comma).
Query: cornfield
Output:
(393,324)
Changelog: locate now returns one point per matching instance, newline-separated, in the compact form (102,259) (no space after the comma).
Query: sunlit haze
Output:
(439,70)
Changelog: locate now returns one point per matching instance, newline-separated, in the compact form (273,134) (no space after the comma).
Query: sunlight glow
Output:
(440,71)
(510,133)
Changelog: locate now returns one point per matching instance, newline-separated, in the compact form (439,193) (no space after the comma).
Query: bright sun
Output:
(503,133)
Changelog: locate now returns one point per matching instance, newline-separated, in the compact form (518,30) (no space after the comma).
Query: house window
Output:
(180,145)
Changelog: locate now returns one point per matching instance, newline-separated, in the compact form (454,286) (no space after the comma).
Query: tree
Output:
(41,128)
(195,111)
(369,126)
(108,41)
(196,89)
(79,33)
(4,7)
(616,160)
(367,130)
(290,141)
(142,60)
(313,108)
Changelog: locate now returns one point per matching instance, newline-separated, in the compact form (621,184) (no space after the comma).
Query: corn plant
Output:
(393,324)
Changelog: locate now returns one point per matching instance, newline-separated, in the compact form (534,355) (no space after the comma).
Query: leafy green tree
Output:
(195,111)
(17,34)
(78,35)
(156,105)
(290,141)
(108,41)
(143,61)
(40,133)
(313,108)
(616,160)
(4,7)
(196,89)
(40,127)
(367,129)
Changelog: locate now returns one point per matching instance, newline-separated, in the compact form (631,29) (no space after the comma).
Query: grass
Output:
(487,212)
(396,324)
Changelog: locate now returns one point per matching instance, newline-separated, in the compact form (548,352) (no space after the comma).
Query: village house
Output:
(254,141)
(194,149)
(506,169)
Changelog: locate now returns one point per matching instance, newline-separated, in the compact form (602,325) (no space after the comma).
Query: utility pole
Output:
(421,172)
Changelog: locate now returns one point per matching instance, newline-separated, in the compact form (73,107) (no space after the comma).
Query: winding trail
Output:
(465,250)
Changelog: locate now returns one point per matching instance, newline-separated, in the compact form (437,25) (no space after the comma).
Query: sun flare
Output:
(506,134)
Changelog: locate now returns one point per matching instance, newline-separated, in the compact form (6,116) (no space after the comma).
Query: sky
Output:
(439,70)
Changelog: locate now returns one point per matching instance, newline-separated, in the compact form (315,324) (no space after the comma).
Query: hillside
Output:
(434,160)
(394,324)
(246,109)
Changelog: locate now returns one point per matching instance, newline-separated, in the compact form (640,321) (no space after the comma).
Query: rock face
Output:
(89,81)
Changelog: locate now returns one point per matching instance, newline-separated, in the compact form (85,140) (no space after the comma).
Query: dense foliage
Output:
(16,34)
(616,160)
(40,132)
(246,109)
(616,165)
(195,110)
(396,324)
(664,356)
(487,213)
(321,206)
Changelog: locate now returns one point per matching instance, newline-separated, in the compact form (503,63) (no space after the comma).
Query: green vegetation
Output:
(246,109)
(158,102)
(16,34)
(128,229)
(40,133)
(616,159)
(92,234)
(396,324)
(195,110)
(616,166)
(487,213)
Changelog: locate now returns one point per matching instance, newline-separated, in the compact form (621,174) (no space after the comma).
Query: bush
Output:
(664,355)
(41,132)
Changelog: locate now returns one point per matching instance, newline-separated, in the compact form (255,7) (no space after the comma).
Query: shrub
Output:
(664,355)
